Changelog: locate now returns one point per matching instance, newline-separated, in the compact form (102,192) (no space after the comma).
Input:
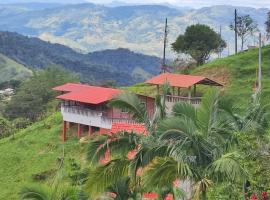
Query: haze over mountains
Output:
(89,27)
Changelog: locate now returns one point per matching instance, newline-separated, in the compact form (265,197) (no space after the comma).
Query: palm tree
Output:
(199,149)
(146,147)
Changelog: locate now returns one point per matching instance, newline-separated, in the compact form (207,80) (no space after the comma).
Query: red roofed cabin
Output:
(86,107)
(183,87)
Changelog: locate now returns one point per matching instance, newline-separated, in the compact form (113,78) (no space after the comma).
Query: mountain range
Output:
(122,66)
(89,27)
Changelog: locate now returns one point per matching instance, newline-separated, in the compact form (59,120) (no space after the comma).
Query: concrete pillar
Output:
(90,130)
(79,130)
(64,131)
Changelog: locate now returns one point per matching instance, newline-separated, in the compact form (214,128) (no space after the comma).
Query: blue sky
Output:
(181,3)
(199,3)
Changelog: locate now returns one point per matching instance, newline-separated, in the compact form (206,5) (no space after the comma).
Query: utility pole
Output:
(164,47)
(220,51)
(260,65)
(235,29)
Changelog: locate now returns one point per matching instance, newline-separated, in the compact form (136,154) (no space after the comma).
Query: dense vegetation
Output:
(33,96)
(120,65)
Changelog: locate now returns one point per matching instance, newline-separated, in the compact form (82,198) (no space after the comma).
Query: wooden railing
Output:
(192,100)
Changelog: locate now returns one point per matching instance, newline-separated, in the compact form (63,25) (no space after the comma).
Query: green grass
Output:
(237,72)
(9,69)
(33,151)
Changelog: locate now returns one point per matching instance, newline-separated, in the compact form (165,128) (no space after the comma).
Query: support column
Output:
(158,89)
(90,130)
(173,91)
(79,130)
(178,89)
(189,94)
(64,131)
(194,91)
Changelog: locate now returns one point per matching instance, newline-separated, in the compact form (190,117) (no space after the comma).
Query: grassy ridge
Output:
(236,72)
(9,69)
(35,151)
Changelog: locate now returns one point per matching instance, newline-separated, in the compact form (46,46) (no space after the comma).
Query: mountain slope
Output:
(91,27)
(237,72)
(11,70)
(32,156)
(120,65)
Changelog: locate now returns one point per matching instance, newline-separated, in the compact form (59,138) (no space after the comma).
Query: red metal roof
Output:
(137,128)
(181,80)
(86,93)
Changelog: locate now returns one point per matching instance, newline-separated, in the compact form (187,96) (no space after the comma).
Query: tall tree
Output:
(267,23)
(245,26)
(199,41)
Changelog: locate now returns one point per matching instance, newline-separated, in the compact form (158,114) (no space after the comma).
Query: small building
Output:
(86,107)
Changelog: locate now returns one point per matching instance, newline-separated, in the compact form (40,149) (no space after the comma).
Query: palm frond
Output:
(97,147)
(132,104)
(35,193)
(163,171)
(121,189)
(183,109)
(227,167)
(102,177)
(207,111)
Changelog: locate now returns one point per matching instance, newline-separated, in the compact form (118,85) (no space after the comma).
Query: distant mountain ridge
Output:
(120,65)
(89,27)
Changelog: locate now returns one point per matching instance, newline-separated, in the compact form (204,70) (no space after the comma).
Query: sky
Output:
(198,3)
(179,3)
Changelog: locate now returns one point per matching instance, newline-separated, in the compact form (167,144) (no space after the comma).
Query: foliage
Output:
(245,26)
(198,41)
(34,95)
(267,24)
(6,128)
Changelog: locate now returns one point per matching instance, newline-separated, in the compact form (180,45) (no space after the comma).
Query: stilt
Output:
(64,131)
(90,130)
(79,130)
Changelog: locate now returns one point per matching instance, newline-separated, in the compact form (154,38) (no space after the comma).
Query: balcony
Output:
(192,100)
(81,115)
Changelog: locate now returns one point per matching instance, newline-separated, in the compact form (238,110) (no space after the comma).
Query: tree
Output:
(267,23)
(199,41)
(245,26)
(33,96)
(199,144)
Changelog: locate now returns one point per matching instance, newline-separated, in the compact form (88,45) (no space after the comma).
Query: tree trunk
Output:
(242,43)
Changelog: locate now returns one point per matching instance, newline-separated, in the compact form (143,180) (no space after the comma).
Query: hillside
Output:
(32,156)
(11,70)
(91,27)
(237,72)
(120,65)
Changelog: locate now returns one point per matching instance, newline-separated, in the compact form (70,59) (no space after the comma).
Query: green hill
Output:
(236,72)
(33,156)
(9,69)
